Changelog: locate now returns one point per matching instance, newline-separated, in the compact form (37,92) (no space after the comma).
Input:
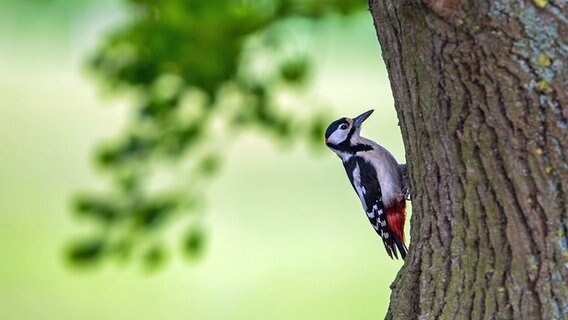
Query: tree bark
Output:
(480,88)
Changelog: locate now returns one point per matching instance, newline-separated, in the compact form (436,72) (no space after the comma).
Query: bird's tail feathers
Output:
(394,246)
(396,216)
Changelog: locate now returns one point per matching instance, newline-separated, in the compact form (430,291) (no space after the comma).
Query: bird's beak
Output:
(358,120)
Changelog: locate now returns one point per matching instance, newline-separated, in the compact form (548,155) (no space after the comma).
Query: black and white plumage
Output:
(376,178)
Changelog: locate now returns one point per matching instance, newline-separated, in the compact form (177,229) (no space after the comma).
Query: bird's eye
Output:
(343,126)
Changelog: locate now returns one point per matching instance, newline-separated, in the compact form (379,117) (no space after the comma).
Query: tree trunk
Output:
(480,88)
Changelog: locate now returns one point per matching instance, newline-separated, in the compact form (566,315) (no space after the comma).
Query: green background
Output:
(286,237)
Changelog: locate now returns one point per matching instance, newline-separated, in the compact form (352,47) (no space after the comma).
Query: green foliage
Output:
(194,242)
(201,71)
(85,251)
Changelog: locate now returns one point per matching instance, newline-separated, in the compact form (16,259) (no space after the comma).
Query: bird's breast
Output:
(388,175)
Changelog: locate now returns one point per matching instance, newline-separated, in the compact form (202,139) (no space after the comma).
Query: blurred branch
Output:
(190,64)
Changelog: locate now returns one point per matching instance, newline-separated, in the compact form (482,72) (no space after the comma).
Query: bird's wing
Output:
(364,180)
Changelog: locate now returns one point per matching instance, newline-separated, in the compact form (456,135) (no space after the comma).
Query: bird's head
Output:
(341,132)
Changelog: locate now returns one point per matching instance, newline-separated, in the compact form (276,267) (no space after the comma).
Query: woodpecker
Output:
(376,177)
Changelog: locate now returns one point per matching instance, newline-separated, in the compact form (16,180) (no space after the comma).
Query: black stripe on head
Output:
(334,125)
(349,136)
(346,146)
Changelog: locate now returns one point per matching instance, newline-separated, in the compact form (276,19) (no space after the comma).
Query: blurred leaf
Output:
(152,213)
(209,164)
(315,130)
(85,251)
(104,210)
(294,70)
(154,258)
(194,243)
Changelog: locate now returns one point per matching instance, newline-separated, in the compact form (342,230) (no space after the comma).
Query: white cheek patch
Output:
(338,136)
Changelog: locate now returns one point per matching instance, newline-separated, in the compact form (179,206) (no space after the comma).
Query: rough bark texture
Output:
(481,91)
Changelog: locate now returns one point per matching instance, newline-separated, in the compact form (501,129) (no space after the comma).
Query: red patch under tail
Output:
(396,216)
